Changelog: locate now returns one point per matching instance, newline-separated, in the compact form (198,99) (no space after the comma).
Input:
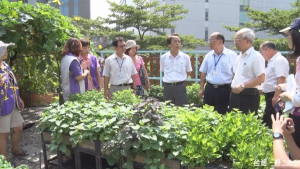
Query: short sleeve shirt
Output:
(119,70)
(219,69)
(75,70)
(138,65)
(278,66)
(249,65)
(175,68)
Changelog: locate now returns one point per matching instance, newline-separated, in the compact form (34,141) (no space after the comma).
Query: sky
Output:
(100,8)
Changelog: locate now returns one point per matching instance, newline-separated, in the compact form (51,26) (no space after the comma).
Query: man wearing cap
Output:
(217,70)
(276,71)
(10,104)
(250,72)
(175,66)
(118,70)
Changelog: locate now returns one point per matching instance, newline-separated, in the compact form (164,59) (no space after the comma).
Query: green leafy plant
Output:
(155,131)
(157,92)
(192,94)
(7,165)
(39,33)
(125,97)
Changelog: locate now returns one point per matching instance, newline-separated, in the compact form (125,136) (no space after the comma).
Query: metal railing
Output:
(197,55)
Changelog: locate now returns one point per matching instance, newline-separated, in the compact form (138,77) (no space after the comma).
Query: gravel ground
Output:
(31,141)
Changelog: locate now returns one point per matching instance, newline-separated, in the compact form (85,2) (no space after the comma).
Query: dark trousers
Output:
(217,97)
(176,94)
(296,134)
(269,109)
(247,101)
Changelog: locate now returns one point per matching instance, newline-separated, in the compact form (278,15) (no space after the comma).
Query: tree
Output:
(271,21)
(145,16)
(39,33)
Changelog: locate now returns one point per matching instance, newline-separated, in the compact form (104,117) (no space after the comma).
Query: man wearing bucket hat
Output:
(141,79)
(176,66)
(10,103)
(119,69)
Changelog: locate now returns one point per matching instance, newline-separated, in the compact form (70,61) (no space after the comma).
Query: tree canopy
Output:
(39,33)
(143,17)
(271,22)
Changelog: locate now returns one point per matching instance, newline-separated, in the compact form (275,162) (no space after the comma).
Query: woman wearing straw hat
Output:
(10,103)
(131,48)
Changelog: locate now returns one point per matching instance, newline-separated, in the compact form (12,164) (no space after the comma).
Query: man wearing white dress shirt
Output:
(119,70)
(276,72)
(217,70)
(176,66)
(250,72)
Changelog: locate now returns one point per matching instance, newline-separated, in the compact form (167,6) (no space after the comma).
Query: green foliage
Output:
(192,94)
(90,95)
(7,165)
(271,21)
(145,16)
(126,97)
(131,17)
(247,139)
(262,106)
(154,130)
(39,33)
(281,43)
(157,92)
(201,124)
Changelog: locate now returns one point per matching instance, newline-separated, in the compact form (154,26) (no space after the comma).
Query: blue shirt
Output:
(219,69)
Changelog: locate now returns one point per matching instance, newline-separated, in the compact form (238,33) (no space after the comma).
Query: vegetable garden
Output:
(127,127)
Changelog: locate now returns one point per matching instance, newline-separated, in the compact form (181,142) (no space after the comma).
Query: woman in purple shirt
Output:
(72,75)
(10,104)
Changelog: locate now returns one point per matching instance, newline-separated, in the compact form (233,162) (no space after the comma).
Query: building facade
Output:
(208,16)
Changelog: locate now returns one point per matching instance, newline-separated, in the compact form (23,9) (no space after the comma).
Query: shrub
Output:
(192,94)
(7,165)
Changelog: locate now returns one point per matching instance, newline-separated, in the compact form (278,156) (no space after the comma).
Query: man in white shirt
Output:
(217,70)
(250,72)
(276,72)
(176,66)
(119,69)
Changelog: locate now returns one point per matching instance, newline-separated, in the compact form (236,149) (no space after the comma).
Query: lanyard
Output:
(120,65)
(217,60)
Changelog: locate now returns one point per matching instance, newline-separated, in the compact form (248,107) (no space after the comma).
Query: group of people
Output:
(82,71)
(233,82)
(228,81)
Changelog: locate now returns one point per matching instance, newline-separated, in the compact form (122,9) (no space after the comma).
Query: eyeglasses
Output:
(212,40)
(237,39)
(122,46)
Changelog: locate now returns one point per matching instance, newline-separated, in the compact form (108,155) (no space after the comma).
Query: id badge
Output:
(120,75)
(214,72)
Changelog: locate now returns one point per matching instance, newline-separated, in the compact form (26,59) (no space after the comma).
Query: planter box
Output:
(35,99)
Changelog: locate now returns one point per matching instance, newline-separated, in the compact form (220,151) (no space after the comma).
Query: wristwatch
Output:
(243,86)
(277,136)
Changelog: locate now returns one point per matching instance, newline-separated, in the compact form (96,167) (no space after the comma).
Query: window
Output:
(64,8)
(206,14)
(206,0)
(76,13)
(206,33)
